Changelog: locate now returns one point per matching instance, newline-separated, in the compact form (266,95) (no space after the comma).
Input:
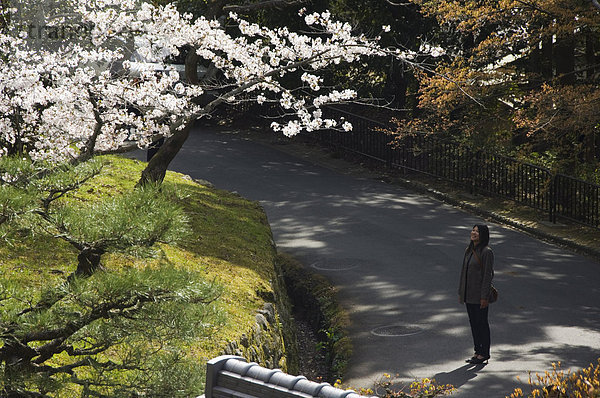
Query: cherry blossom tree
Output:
(116,91)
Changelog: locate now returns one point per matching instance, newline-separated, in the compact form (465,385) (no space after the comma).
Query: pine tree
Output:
(104,333)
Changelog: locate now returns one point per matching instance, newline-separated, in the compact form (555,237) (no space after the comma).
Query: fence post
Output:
(473,162)
(477,175)
(553,198)
(387,148)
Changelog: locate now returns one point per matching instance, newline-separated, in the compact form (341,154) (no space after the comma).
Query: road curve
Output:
(395,256)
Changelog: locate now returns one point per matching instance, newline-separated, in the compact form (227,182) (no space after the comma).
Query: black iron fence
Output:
(558,195)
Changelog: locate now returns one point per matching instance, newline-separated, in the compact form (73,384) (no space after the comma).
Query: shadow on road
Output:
(394,257)
(459,377)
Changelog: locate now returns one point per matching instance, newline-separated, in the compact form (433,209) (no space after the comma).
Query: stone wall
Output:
(271,342)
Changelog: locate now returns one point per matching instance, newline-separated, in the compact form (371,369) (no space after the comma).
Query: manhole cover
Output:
(397,330)
(339,265)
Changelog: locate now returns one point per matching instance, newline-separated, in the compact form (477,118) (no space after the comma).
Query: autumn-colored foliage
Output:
(387,387)
(562,384)
(520,75)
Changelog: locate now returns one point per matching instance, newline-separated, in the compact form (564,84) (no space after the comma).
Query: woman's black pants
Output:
(478,318)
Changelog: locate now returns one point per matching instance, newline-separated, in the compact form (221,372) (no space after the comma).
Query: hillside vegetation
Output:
(227,252)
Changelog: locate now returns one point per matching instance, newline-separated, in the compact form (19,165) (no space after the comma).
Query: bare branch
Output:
(398,4)
(596,4)
(424,68)
(536,7)
(263,5)
(241,88)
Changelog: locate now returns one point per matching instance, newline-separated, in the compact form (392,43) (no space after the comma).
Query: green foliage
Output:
(130,222)
(164,323)
(114,334)
(28,188)
(136,219)
(21,172)
(17,195)
(65,176)
(333,343)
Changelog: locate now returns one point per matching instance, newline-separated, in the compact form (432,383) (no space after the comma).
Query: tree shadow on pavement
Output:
(394,258)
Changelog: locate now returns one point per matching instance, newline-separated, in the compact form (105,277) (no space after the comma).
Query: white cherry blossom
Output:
(117,90)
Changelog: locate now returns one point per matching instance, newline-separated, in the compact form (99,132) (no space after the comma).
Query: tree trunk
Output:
(591,42)
(16,359)
(214,9)
(191,66)
(589,147)
(88,262)
(535,58)
(396,86)
(157,166)
(546,55)
(564,59)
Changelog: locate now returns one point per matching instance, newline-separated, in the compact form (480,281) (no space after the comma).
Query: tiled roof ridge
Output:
(238,366)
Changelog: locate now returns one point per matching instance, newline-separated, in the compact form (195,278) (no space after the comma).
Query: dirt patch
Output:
(312,360)
(324,346)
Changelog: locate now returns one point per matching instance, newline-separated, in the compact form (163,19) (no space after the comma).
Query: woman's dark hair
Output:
(484,235)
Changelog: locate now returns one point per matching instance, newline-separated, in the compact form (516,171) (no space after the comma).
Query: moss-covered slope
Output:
(230,244)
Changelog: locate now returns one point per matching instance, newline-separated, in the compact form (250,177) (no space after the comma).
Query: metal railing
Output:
(558,195)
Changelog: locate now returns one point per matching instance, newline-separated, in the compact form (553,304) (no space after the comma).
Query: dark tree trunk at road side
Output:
(157,166)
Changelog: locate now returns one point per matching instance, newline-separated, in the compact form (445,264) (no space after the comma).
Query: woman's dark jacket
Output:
(476,278)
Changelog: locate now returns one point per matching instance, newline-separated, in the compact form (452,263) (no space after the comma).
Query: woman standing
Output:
(474,290)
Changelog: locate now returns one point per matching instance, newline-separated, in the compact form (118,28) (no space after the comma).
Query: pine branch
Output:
(102,311)
(89,361)
(54,194)
(123,308)
(87,351)
(50,370)
(63,232)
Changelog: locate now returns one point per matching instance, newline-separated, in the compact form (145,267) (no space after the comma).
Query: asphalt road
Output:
(395,257)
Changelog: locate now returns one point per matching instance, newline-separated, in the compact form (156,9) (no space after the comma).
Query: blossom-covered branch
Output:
(117,90)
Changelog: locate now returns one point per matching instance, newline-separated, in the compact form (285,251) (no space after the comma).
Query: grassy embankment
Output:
(230,243)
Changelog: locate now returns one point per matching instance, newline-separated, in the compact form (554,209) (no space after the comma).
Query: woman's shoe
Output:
(468,360)
(479,359)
